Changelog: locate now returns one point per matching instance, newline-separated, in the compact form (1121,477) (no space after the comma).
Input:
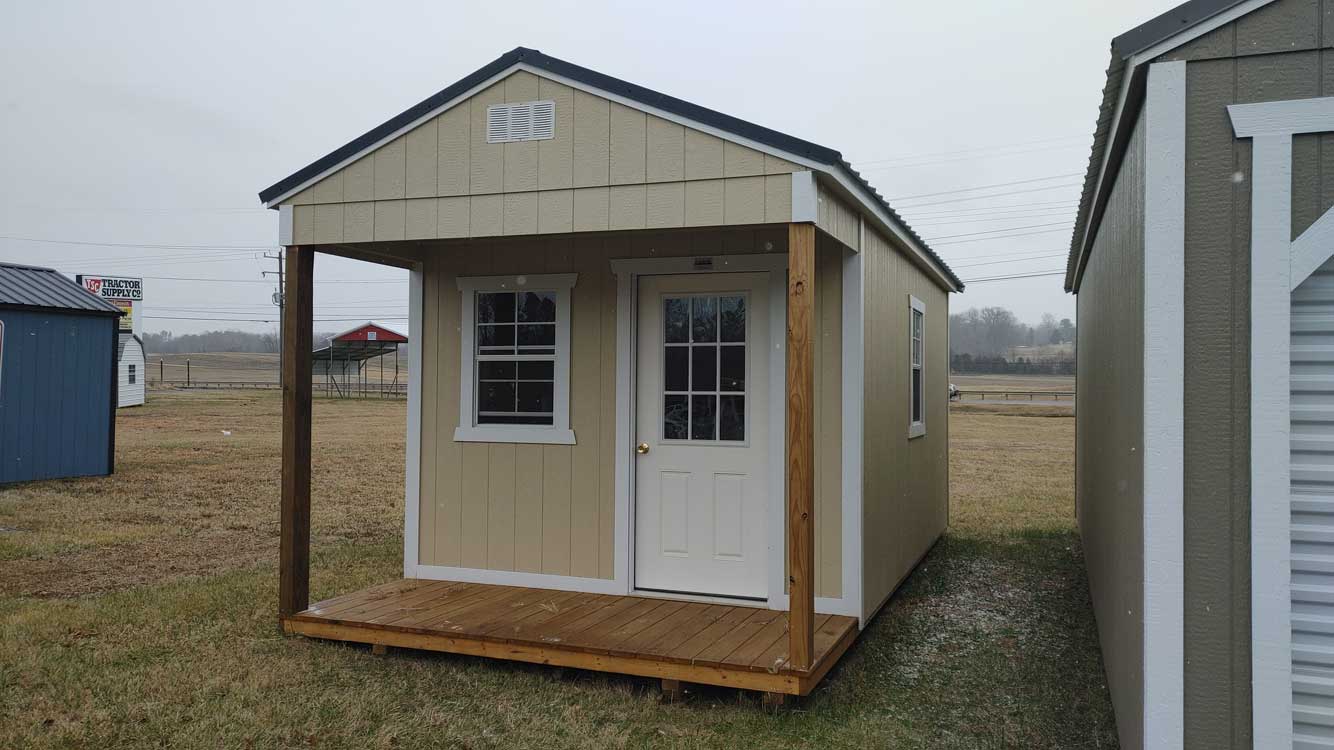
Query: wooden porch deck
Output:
(676,641)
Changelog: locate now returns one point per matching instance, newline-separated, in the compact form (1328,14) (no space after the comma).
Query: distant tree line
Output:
(986,340)
(165,342)
(967,364)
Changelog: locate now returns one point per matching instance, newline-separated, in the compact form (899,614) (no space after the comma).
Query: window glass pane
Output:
(675,314)
(537,370)
(536,396)
(732,316)
(704,318)
(732,418)
(537,335)
(916,395)
(703,368)
(495,307)
(537,307)
(675,417)
(493,396)
(491,337)
(495,370)
(703,415)
(514,419)
(733,368)
(676,371)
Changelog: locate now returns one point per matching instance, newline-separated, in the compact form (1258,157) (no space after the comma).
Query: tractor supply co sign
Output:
(120,291)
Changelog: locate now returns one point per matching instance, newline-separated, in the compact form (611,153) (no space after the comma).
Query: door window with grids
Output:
(704,368)
(516,350)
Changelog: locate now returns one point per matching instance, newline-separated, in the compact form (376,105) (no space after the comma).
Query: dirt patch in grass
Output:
(196,493)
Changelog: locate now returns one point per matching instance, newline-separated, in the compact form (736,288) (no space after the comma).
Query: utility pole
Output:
(278,300)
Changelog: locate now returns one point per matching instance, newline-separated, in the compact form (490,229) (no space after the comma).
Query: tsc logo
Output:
(93,285)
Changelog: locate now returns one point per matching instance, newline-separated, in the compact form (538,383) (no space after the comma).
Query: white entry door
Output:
(702,426)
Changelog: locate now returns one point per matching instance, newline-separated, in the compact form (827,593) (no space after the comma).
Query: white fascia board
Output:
(1282,118)
(1131,65)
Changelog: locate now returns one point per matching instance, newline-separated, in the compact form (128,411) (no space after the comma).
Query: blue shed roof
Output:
(34,286)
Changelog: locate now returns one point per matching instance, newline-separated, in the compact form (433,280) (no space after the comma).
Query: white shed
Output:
(130,369)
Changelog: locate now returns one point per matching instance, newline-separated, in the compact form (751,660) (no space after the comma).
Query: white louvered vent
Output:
(521,121)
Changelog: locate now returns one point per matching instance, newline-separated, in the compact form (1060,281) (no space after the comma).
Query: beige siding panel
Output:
(607,423)
(475,490)
(500,508)
(520,213)
(905,488)
(778,198)
(303,224)
(528,508)
(358,222)
(592,140)
(391,170)
(829,421)
(556,509)
(586,403)
(521,158)
(665,151)
(666,205)
(453,147)
(555,211)
(328,223)
(590,209)
(743,200)
(486,160)
(328,190)
(775,165)
(486,215)
(555,156)
(628,128)
(359,180)
(303,198)
(837,218)
(703,155)
(428,529)
(389,221)
(452,216)
(421,160)
(449,454)
(627,207)
(741,161)
(420,218)
(704,203)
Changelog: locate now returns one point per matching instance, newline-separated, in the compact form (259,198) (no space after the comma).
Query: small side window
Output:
(917,339)
(133,374)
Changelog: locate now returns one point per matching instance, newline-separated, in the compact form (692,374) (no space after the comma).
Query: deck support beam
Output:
(294,539)
(800,444)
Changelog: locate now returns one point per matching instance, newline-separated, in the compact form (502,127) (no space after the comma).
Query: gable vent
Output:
(521,121)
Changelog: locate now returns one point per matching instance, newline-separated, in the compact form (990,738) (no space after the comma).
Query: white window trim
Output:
(558,432)
(918,428)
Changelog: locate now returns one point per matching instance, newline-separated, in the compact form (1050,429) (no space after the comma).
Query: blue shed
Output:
(57,377)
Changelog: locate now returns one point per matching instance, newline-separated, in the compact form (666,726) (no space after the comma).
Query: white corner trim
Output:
(854,414)
(805,206)
(1287,118)
(1278,265)
(285,226)
(412,482)
(519,578)
(1163,417)
(559,432)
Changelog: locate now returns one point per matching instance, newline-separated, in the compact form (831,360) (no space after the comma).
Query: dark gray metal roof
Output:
(34,286)
(1125,46)
(634,92)
(124,339)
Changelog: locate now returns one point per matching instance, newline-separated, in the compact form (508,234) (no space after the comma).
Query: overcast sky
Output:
(146,129)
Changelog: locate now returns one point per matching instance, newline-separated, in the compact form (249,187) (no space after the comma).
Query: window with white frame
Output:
(133,374)
(515,352)
(916,333)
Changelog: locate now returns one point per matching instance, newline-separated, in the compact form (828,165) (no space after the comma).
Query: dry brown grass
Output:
(989,644)
(1014,382)
(196,493)
(246,367)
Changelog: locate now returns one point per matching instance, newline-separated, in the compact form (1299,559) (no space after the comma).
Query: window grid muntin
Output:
(515,353)
(718,345)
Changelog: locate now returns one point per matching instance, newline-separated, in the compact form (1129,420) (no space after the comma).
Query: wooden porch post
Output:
(294,541)
(800,444)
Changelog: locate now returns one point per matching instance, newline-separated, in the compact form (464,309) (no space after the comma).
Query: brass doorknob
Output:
(641,449)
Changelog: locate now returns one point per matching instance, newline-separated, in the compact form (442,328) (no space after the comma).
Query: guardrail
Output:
(318,387)
(1016,395)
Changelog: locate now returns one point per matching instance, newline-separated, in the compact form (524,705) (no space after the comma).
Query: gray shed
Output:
(57,377)
(1205,456)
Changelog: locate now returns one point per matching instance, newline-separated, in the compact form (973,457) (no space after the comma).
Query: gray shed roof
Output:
(123,340)
(1127,45)
(34,286)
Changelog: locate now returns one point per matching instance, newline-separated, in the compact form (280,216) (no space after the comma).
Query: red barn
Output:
(345,361)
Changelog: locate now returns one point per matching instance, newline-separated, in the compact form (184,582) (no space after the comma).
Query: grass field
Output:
(138,610)
(1015,382)
(232,367)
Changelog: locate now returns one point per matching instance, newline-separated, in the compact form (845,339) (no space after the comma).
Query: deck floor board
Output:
(710,643)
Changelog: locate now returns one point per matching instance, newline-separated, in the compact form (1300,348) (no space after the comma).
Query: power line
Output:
(986,187)
(992,195)
(49,241)
(1071,203)
(1002,237)
(1014,276)
(974,149)
(994,231)
(1012,260)
(272,320)
(263,281)
(988,220)
(913,164)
